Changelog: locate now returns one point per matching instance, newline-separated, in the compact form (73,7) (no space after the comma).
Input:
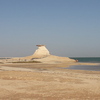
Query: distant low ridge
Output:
(42,55)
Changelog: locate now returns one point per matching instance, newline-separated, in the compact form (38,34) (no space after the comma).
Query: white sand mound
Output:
(43,55)
(41,52)
(55,59)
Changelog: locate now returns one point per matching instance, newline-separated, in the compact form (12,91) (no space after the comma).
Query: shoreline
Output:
(48,82)
(30,67)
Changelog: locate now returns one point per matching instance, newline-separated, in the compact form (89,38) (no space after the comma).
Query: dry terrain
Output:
(29,81)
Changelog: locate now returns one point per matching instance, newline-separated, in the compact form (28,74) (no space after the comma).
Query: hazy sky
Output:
(67,27)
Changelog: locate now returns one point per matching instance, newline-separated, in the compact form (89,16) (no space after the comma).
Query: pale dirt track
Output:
(48,82)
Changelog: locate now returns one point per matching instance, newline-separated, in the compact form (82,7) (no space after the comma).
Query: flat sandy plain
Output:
(30,81)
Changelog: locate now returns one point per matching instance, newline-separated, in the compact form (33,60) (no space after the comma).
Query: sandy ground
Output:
(31,81)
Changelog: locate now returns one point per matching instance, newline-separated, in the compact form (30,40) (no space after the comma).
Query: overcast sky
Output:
(68,28)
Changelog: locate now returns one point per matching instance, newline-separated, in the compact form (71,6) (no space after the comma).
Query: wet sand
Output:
(29,81)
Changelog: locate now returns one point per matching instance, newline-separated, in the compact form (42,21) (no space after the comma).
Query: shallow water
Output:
(87,59)
(85,67)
